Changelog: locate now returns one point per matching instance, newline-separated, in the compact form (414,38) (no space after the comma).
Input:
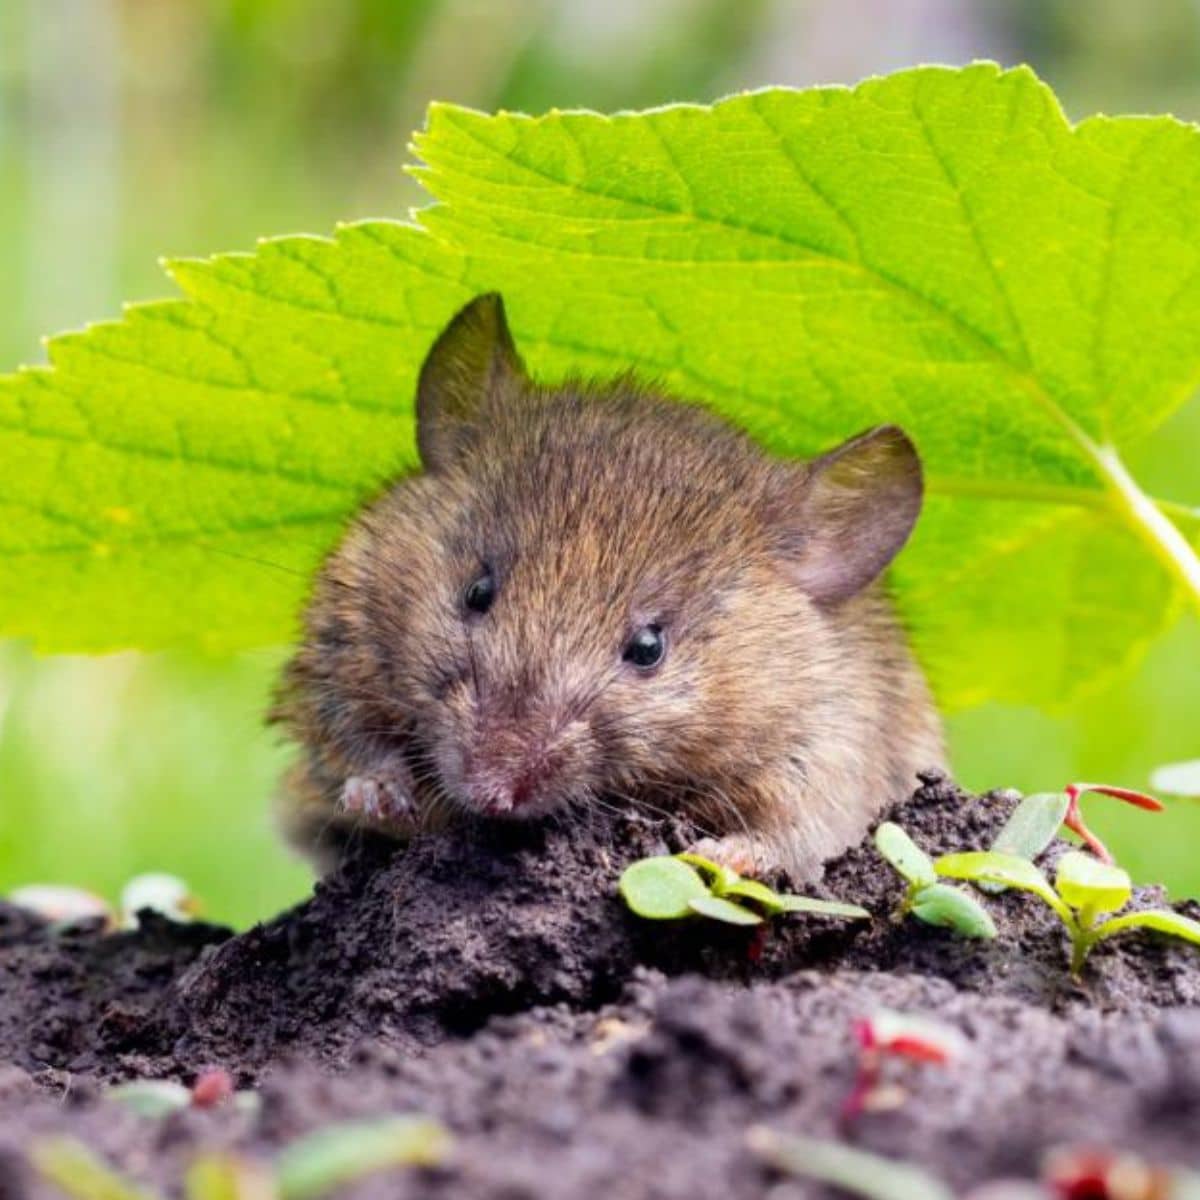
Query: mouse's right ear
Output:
(472,362)
(844,516)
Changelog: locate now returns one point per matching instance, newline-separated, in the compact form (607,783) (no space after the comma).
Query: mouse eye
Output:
(646,648)
(480,593)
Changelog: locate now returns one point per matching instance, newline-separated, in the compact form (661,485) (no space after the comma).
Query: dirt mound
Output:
(492,978)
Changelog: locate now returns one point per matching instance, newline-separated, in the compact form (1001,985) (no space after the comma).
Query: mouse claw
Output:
(381,798)
(737,853)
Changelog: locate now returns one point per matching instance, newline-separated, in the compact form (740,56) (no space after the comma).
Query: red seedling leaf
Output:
(1137,799)
(902,1036)
(920,1050)
(1091,1174)
(1074,819)
(212,1087)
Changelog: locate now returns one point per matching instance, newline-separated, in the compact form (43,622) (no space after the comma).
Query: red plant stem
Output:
(212,1087)
(758,944)
(865,1083)
(1074,819)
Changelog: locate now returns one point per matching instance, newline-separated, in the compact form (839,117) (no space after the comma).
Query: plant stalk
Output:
(1156,529)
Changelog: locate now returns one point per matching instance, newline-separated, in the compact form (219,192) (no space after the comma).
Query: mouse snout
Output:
(516,769)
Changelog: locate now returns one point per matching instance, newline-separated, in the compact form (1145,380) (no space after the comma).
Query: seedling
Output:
(1085,892)
(1035,821)
(841,1166)
(160,1097)
(925,897)
(673,887)
(1074,818)
(1094,1173)
(311,1167)
(887,1036)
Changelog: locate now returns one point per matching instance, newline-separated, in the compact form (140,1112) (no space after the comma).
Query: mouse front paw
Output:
(738,853)
(385,797)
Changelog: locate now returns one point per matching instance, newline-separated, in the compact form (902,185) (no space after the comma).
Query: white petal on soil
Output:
(165,894)
(1177,779)
(58,902)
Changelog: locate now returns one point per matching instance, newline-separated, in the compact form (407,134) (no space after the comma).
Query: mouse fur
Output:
(480,642)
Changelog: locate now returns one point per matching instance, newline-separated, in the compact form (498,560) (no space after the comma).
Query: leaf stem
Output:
(1156,529)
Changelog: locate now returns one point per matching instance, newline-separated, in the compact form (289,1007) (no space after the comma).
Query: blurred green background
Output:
(134,128)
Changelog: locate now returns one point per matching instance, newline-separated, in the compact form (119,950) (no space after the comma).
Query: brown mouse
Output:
(596,595)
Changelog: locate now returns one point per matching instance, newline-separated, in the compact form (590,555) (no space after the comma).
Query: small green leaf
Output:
(759,893)
(987,866)
(720,909)
(1032,825)
(951,908)
(822,908)
(334,1157)
(78,1173)
(846,1167)
(904,854)
(720,878)
(151,1097)
(1091,886)
(661,888)
(1160,920)
(1029,829)
(228,1177)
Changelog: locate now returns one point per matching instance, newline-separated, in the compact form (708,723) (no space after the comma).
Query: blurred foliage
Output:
(189,126)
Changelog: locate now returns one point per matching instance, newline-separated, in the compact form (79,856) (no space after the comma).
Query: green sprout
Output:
(1034,822)
(310,1167)
(1085,892)
(672,887)
(925,896)
(845,1167)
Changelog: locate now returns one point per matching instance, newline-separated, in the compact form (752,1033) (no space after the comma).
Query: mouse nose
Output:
(502,797)
(513,771)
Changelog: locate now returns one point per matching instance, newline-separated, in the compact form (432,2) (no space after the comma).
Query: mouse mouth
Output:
(507,772)
(515,794)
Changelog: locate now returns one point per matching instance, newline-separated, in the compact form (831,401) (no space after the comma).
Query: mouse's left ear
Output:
(473,362)
(844,516)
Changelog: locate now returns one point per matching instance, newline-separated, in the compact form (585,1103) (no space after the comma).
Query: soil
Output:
(492,978)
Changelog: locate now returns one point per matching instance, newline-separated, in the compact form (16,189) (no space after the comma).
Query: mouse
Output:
(595,595)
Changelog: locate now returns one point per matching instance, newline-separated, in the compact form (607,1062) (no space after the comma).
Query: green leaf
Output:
(661,888)
(938,248)
(847,1167)
(341,1154)
(758,893)
(1089,885)
(78,1173)
(1032,825)
(986,866)
(904,854)
(1010,870)
(1160,920)
(720,878)
(228,1177)
(151,1097)
(951,908)
(822,908)
(1029,829)
(720,909)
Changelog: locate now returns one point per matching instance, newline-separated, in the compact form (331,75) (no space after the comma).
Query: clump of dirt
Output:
(492,977)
